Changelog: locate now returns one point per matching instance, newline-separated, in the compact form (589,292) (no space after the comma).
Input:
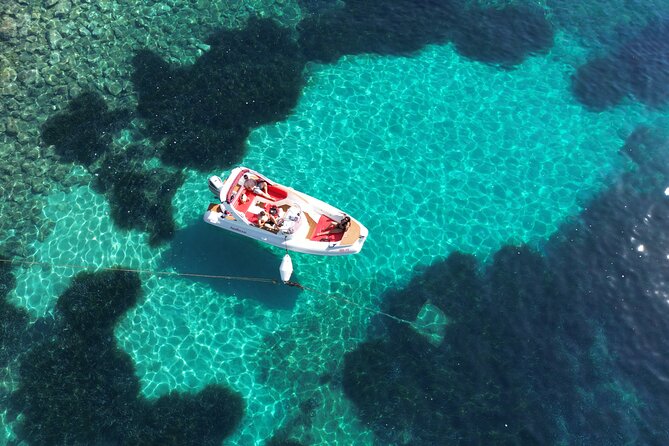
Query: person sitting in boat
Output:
(258,187)
(276,213)
(266,220)
(336,227)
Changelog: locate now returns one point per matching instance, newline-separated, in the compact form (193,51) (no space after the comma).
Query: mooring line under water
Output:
(207,276)
(343,299)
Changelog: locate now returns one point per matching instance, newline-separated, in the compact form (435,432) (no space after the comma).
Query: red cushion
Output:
(323,223)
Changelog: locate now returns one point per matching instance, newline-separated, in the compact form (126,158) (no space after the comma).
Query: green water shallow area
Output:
(432,153)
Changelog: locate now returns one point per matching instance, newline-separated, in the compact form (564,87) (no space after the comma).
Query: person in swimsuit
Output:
(258,187)
(337,227)
(266,220)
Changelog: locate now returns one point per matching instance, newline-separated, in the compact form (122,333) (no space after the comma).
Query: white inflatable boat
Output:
(257,207)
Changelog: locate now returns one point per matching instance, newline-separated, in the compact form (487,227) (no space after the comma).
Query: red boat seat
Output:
(276,192)
(323,223)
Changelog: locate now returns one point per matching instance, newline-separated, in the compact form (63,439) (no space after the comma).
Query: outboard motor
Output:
(216,186)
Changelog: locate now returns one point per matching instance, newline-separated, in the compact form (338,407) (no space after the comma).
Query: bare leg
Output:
(331,229)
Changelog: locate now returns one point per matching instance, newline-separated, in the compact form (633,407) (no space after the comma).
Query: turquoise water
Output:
(433,153)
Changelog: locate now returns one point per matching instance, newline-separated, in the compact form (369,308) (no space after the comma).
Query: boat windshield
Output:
(292,219)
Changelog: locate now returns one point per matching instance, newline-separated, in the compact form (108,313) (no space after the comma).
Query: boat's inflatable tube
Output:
(286,268)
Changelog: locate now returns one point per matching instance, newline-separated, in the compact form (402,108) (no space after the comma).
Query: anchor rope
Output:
(207,276)
(343,299)
(141,271)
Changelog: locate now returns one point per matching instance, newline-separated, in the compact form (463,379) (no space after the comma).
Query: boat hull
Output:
(317,248)
(307,227)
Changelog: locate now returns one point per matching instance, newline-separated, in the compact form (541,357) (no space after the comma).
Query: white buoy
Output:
(286,268)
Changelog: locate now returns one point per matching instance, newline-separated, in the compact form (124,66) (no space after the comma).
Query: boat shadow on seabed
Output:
(202,249)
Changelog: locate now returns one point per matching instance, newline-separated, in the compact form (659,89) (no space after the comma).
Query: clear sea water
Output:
(434,152)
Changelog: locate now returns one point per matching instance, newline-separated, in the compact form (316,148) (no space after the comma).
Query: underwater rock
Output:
(98,32)
(320,6)
(32,154)
(503,36)
(114,88)
(9,90)
(51,79)
(45,230)
(139,198)
(54,39)
(62,9)
(94,302)
(398,27)
(82,133)
(54,58)
(74,90)
(201,419)
(600,84)
(639,68)
(645,59)
(590,312)
(403,384)
(78,387)
(7,75)
(84,32)
(11,127)
(203,113)
(280,441)
(592,22)
(648,148)
(202,46)
(8,28)
(431,324)
(31,77)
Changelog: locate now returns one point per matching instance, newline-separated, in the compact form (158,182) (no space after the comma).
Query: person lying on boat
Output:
(266,220)
(336,227)
(258,187)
